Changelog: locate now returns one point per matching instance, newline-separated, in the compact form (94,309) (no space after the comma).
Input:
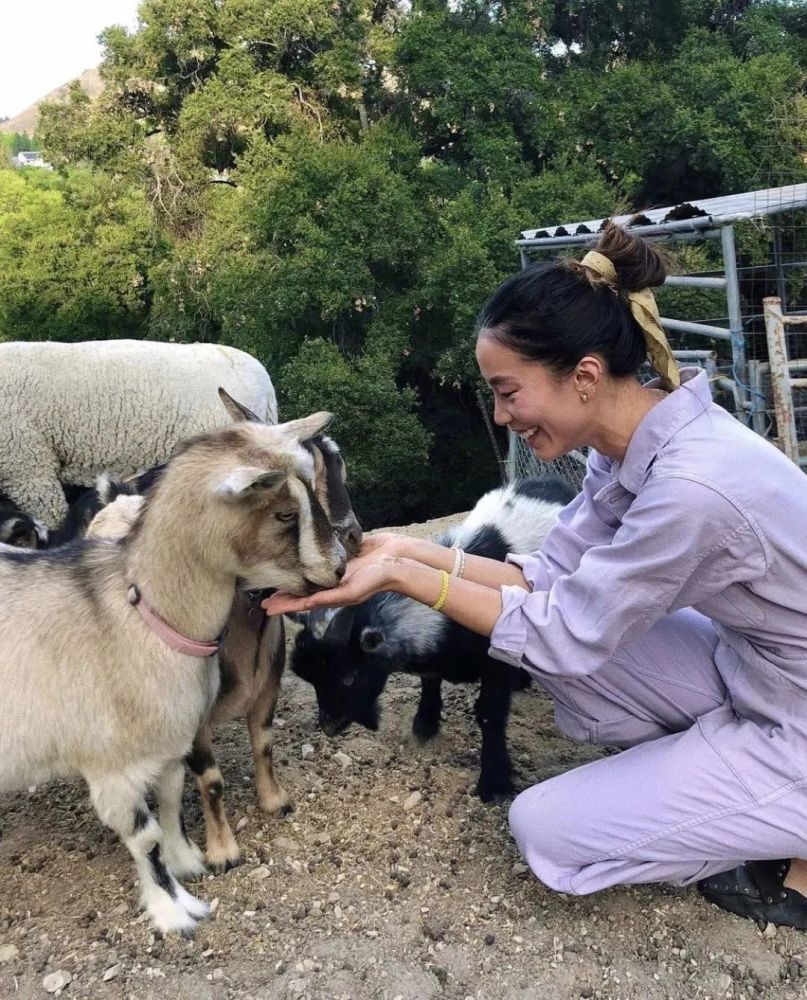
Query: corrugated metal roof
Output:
(705,213)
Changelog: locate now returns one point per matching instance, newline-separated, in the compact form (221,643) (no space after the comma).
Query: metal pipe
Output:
(780,378)
(735,308)
(686,327)
(694,355)
(781,284)
(758,420)
(694,281)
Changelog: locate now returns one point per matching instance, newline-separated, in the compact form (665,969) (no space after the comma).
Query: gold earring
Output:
(584,397)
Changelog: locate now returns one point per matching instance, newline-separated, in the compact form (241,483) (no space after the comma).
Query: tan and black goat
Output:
(253,654)
(95,680)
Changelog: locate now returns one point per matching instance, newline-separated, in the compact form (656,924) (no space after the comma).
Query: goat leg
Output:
(221,849)
(272,797)
(121,804)
(182,856)
(426,723)
(492,709)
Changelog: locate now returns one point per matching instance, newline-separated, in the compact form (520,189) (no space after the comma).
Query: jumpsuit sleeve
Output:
(579,527)
(679,542)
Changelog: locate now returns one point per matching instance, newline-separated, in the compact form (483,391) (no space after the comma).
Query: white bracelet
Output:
(459,561)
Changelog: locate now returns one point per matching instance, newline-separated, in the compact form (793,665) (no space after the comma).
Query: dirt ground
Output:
(389,881)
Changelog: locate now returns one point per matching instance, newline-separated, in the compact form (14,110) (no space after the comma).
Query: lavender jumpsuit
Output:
(668,615)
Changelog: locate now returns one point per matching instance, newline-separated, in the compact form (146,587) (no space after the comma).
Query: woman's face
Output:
(546,411)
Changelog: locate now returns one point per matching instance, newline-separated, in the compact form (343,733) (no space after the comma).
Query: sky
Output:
(46,43)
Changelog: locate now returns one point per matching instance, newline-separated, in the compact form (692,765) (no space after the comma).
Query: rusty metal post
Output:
(780,378)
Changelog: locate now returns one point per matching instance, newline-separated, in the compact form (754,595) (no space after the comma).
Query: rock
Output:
(307,751)
(296,987)
(434,929)
(112,973)
(724,982)
(260,873)
(285,845)
(8,953)
(520,869)
(439,973)
(57,981)
(490,939)
(412,801)
(120,909)
(342,759)
(239,826)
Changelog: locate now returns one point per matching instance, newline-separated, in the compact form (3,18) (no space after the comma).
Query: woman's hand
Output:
(386,542)
(365,575)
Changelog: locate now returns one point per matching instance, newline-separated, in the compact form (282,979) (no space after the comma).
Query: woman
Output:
(666,612)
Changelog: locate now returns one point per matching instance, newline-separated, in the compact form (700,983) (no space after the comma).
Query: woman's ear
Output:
(588,375)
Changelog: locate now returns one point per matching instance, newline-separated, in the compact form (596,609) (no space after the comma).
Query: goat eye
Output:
(348,679)
(287,515)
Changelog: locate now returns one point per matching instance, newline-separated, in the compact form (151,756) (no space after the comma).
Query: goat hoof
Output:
(222,867)
(277,805)
(495,794)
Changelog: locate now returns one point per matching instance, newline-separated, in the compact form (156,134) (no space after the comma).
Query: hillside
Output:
(26,121)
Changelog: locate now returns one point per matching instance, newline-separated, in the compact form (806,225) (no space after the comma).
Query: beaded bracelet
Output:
(459,561)
(441,600)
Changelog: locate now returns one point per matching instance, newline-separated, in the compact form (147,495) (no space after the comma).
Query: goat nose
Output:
(340,571)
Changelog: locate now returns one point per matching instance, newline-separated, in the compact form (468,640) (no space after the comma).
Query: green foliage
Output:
(74,257)
(335,186)
(385,446)
(12,143)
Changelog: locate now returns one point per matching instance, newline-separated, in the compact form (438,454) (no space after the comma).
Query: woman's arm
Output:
(473,605)
(478,569)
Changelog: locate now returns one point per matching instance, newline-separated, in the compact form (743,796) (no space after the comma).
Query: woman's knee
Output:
(545,822)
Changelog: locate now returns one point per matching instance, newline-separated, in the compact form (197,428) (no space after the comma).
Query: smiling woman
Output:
(666,610)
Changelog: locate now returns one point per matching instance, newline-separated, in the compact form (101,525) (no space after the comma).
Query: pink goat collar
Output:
(169,635)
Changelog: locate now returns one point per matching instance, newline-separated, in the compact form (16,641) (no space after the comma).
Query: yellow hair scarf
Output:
(645,312)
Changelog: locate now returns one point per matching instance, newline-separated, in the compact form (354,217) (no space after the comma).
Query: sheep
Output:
(70,411)
(97,684)
(348,654)
(252,657)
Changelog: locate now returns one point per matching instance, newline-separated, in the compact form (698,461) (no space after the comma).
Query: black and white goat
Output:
(96,682)
(348,654)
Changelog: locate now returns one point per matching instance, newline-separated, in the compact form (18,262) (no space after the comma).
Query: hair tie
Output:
(645,311)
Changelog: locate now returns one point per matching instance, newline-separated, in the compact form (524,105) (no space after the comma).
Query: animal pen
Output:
(738,308)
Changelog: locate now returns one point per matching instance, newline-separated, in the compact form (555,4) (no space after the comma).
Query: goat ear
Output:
(237,410)
(318,620)
(300,617)
(372,639)
(247,480)
(307,427)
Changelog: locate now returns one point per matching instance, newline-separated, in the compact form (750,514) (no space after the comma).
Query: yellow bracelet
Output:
(441,600)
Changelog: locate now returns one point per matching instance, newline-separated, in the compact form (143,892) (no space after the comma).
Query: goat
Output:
(20,529)
(96,683)
(253,654)
(349,654)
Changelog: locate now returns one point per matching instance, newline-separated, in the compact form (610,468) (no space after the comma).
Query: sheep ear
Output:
(247,480)
(372,639)
(307,427)
(237,410)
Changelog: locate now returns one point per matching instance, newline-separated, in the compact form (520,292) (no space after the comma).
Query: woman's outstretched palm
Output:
(364,576)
